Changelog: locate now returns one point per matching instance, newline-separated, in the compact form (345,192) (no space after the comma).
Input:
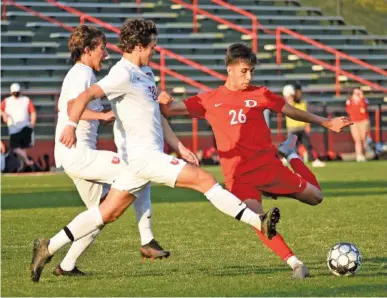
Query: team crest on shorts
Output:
(115,160)
(175,161)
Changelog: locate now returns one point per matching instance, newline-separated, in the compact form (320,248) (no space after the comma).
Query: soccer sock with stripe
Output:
(82,225)
(229,204)
(300,168)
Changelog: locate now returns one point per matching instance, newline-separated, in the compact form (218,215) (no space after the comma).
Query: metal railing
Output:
(253,33)
(335,68)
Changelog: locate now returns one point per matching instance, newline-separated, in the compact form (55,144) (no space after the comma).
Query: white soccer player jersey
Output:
(133,93)
(78,79)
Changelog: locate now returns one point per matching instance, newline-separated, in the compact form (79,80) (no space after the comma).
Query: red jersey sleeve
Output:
(31,107)
(195,107)
(272,101)
(3,105)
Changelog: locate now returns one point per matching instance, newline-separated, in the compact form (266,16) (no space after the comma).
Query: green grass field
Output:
(212,254)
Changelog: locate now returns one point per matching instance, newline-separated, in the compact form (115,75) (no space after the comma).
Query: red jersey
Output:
(242,136)
(357,110)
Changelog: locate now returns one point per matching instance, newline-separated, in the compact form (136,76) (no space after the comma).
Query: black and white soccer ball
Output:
(344,259)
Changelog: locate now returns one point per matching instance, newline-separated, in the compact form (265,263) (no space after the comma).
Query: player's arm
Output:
(170,108)
(88,114)
(32,112)
(174,109)
(68,137)
(3,114)
(173,141)
(335,124)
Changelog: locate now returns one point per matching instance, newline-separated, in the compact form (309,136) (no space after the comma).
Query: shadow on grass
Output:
(162,194)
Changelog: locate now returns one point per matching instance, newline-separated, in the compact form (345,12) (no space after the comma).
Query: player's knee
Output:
(205,180)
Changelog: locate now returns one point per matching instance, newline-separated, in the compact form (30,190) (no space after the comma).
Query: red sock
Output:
(277,245)
(300,168)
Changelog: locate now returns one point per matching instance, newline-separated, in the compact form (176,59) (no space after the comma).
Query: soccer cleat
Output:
(153,250)
(301,271)
(58,271)
(269,221)
(40,257)
(318,164)
(289,146)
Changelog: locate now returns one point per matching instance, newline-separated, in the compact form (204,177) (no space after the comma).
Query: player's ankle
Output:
(293,261)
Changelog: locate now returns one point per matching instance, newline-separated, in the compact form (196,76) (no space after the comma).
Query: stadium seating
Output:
(34,51)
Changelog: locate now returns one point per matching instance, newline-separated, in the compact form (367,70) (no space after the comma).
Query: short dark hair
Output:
(135,32)
(356,88)
(239,52)
(82,37)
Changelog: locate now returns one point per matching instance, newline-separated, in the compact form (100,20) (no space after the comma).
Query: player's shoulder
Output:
(121,70)
(81,69)
(79,73)
(259,89)
(348,102)
(211,95)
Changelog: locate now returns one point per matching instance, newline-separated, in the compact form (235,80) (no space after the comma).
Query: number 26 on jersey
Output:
(237,117)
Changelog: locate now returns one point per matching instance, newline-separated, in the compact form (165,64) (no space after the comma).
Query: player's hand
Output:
(108,116)
(338,124)
(68,137)
(164,98)
(5,118)
(188,155)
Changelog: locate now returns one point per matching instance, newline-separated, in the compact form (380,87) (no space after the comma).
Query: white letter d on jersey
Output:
(250,103)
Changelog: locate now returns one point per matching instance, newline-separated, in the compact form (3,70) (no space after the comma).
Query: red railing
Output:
(163,52)
(198,11)
(338,55)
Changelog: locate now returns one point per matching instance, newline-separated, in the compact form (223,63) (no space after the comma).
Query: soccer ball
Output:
(344,259)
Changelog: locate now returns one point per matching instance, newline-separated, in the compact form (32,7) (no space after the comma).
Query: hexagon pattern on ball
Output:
(344,259)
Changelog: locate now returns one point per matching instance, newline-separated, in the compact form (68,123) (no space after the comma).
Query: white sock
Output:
(291,156)
(229,204)
(82,225)
(143,208)
(293,261)
(77,249)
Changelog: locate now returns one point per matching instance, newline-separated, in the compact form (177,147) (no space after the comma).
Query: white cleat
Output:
(300,272)
(318,164)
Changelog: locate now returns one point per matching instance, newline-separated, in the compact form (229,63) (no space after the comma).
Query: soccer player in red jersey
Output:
(248,158)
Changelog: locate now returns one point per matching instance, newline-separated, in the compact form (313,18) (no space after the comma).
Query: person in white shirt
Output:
(131,88)
(92,170)
(19,113)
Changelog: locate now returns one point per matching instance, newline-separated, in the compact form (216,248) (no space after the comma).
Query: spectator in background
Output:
(356,107)
(20,115)
(301,129)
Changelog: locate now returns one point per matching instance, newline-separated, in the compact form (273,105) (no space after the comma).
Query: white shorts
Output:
(149,166)
(92,171)
(91,192)
(95,165)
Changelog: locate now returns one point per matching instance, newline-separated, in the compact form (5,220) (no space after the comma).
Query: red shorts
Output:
(274,178)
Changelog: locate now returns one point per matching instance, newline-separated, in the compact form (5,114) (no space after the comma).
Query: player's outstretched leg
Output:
(40,257)
(277,244)
(202,181)
(312,194)
(288,150)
